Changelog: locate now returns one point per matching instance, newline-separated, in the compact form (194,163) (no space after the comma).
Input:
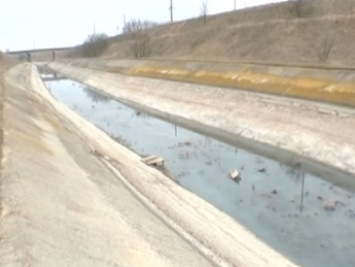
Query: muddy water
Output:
(306,219)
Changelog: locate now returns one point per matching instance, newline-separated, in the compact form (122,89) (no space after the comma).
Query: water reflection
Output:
(303,217)
(141,114)
(95,96)
(52,76)
(298,176)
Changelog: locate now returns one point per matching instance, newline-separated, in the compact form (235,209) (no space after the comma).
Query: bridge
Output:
(54,78)
(31,51)
(28,53)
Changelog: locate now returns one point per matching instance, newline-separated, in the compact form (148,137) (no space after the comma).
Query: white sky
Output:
(26,24)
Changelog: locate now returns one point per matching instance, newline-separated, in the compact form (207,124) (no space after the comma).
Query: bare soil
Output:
(272,33)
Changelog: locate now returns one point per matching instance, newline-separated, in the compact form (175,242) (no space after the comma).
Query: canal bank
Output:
(314,137)
(61,205)
(279,204)
(328,84)
(221,238)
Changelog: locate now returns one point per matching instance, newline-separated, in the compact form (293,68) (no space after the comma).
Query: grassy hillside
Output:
(273,33)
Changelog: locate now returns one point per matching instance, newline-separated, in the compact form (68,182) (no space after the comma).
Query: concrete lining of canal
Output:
(280,205)
(320,83)
(313,137)
(212,228)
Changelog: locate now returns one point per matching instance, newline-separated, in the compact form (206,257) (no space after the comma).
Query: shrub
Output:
(95,45)
(138,30)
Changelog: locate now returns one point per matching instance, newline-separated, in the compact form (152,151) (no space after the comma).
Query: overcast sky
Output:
(28,24)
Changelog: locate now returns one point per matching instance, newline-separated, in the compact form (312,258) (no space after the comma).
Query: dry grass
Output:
(271,33)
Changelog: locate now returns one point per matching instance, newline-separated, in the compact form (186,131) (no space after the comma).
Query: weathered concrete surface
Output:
(334,85)
(61,205)
(315,131)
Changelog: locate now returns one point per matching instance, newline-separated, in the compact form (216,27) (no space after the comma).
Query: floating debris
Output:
(274,192)
(262,170)
(235,176)
(330,205)
(153,160)
(186,143)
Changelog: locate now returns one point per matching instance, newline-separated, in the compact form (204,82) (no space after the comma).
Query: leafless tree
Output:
(204,10)
(94,45)
(298,6)
(95,96)
(140,36)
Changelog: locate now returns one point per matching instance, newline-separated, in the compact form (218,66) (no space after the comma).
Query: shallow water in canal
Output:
(305,218)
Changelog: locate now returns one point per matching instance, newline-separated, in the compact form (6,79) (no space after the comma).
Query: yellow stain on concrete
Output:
(303,87)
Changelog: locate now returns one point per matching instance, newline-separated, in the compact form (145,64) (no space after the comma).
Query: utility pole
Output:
(171,11)
(235,4)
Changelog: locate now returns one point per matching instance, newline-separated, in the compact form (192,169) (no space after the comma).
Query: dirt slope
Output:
(271,33)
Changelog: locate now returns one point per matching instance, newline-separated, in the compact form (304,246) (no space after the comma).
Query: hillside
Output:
(270,33)
(5,62)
